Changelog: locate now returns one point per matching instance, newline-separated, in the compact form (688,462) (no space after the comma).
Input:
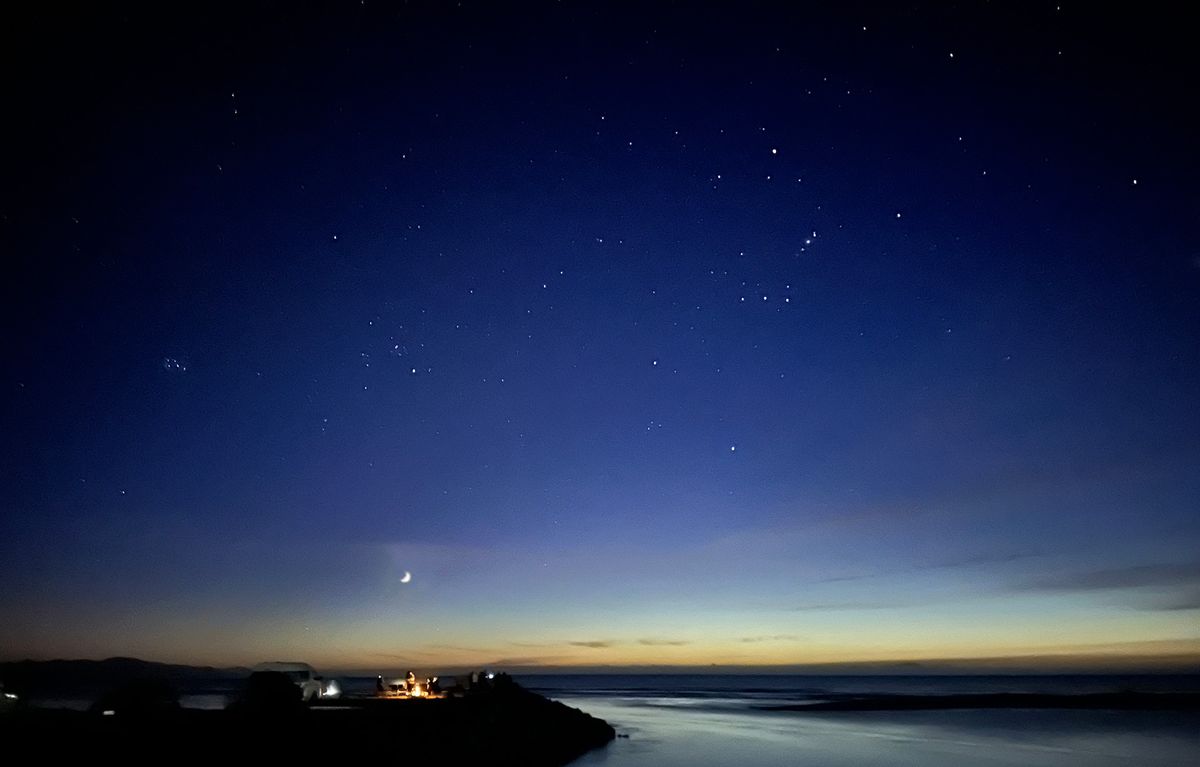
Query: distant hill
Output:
(89,676)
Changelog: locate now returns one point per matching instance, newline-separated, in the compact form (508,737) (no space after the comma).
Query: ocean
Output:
(703,721)
(696,720)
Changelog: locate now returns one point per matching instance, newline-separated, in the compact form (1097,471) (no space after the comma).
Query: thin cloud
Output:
(1189,600)
(396,656)
(832,606)
(600,644)
(858,577)
(961,563)
(460,648)
(1137,576)
(771,638)
(980,560)
(526,662)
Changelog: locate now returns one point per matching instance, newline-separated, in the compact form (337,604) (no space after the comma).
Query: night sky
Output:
(646,334)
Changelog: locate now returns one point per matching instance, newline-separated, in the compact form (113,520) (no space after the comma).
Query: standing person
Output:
(379,685)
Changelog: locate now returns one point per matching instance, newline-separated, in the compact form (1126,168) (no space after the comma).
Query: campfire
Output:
(410,688)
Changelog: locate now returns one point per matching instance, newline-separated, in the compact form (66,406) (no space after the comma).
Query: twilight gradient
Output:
(639,335)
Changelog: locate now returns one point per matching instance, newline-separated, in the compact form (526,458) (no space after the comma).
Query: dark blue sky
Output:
(636,334)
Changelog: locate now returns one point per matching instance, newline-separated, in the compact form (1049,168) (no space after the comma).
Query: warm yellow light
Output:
(416,691)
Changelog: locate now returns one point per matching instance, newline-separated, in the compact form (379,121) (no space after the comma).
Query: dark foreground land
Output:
(1114,701)
(504,726)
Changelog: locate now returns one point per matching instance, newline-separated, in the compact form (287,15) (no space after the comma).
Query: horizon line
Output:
(1032,665)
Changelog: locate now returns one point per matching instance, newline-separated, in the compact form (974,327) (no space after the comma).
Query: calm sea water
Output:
(698,721)
(711,720)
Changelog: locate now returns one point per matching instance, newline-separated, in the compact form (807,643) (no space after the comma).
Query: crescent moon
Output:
(407,577)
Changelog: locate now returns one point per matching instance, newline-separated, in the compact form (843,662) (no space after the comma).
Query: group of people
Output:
(408,687)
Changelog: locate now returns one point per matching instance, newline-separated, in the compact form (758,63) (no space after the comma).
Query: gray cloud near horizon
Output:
(843,606)
(1188,600)
(599,644)
(526,662)
(1136,576)
(949,564)
(771,638)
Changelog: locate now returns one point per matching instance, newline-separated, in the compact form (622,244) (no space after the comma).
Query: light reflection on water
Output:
(663,735)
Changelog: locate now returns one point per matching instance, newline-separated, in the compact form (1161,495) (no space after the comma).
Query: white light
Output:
(733,448)
(109,712)
(10,695)
(491,675)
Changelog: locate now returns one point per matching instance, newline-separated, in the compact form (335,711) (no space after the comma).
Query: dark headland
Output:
(139,720)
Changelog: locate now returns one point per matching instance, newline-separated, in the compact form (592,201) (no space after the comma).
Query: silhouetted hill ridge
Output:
(59,675)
